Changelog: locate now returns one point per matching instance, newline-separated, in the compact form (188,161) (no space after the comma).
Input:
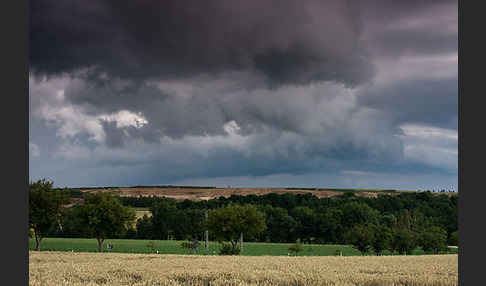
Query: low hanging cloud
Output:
(324,110)
(431,145)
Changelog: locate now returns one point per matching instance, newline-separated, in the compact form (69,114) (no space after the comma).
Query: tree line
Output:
(399,223)
(313,220)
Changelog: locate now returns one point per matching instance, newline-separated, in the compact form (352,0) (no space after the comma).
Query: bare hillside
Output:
(181,193)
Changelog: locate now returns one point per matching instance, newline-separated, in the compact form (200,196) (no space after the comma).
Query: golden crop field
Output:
(65,268)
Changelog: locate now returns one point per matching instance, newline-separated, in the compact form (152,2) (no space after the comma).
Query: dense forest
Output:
(289,217)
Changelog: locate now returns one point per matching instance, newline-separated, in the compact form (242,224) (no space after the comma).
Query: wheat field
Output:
(66,268)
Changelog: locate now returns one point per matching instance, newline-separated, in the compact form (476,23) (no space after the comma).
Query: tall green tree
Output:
(306,223)
(145,228)
(361,237)
(388,220)
(228,223)
(103,216)
(382,236)
(358,213)
(45,208)
(164,216)
(331,226)
(403,240)
(454,239)
(280,226)
(433,238)
(188,224)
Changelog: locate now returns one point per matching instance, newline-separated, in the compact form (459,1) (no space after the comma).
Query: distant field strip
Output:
(174,247)
(66,268)
(140,212)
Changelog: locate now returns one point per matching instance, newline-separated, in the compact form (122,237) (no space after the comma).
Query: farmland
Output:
(173,247)
(207,193)
(66,268)
(140,212)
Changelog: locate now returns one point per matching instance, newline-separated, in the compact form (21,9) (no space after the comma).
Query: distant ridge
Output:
(207,192)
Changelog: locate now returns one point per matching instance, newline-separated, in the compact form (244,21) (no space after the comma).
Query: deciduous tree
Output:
(145,228)
(164,214)
(404,240)
(103,216)
(361,237)
(454,239)
(433,238)
(296,247)
(228,223)
(382,237)
(45,208)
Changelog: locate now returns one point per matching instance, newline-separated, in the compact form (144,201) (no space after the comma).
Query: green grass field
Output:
(174,247)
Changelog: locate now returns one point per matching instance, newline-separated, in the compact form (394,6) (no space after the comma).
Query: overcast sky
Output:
(270,93)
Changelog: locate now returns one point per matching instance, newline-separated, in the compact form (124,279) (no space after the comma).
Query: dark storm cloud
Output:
(430,102)
(288,41)
(285,40)
(312,87)
(395,28)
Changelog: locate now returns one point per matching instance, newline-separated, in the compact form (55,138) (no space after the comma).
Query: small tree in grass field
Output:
(103,216)
(45,208)
(230,222)
(151,246)
(296,247)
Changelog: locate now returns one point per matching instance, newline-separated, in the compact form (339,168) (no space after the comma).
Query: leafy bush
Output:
(188,245)
(296,247)
(151,246)
(227,249)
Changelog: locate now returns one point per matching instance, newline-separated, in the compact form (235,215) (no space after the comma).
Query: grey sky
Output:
(314,93)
